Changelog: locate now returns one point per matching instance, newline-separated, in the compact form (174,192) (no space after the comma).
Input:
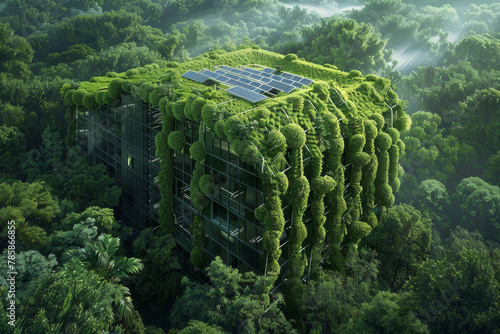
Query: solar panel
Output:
(239,84)
(195,76)
(281,86)
(211,74)
(244,80)
(255,84)
(306,81)
(232,76)
(223,78)
(251,70)
(265,80)
(255,76)
(246,94)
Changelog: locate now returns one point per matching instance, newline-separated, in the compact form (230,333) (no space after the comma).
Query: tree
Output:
(403,241)
(334,298)
(478,122)
(159,282)
(458,293)
(89,186)
(43,163)
(482,51)
(433,201)
(12,146)
(100,258)
(479,204)
(347,44)
(30,266)
(12,115)
(81,233)
(408,30)
(233,301)
(72,299)
(104,219)
(15,53)
(196,327)
(383,314)
(32,207)
(491,173)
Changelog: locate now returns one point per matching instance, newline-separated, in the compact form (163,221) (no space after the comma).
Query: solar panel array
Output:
(250,84)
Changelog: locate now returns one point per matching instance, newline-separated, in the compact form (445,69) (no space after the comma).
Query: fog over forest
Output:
(419,256)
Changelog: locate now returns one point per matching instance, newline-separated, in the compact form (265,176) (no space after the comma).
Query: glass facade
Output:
(121,136)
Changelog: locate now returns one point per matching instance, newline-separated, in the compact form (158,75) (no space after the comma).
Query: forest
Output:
(432,264)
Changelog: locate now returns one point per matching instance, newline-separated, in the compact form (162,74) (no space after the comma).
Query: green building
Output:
(268,161)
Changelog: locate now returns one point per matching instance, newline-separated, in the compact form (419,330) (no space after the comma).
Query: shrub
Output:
(197,151)
(115,88)
(291,57)
(176,140)
(295,136)
(354,74)
(68,98)
(178,110)
(171,76)
(371,77)
(260,213)
(142,70)
(321,88)
(210,114)
(282,182)
(323,184)
(89,101)
(379,119)
(144,89)
(187,106)
(393,133)
(274,143)
(99,97)
(403,122)
(233,125)
(383,141)
(206,185)
(219,128)
(77,97)
(127,86)
(106,98)
(196,109)
(162,104)
(197,256)
(157,93)
(132,72)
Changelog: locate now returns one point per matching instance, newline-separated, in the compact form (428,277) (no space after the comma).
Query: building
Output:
(265,160)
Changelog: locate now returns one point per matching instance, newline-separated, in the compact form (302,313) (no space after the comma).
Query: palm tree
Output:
(100,257)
